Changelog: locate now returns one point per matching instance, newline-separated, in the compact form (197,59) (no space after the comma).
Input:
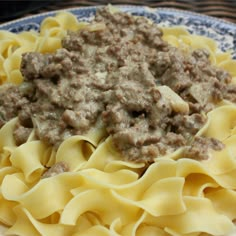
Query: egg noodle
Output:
(103,194)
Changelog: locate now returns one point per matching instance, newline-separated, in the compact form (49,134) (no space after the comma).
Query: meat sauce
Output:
(150,96)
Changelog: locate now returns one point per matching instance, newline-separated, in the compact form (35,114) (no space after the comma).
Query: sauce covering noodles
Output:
(102,193)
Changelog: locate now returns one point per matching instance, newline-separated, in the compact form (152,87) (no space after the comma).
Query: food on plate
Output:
(116,126)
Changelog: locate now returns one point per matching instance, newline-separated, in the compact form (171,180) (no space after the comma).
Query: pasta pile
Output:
(102,194)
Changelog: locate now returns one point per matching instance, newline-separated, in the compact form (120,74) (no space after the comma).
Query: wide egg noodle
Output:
(230,66)
(223,161)
(60,22)
(27,158)
(75,151)
(12,47)
(52,30)
(6,217)
(54,188)
(6,135)
(93,178)
(223,118)
(198,217)
(108,159)
(26,224)
(103,194)
(179,37)
(156,192)
(120,209)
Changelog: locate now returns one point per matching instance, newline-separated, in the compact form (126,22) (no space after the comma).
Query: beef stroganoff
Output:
(116,127)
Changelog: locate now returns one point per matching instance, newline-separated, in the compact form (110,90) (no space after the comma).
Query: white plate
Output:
(222,31)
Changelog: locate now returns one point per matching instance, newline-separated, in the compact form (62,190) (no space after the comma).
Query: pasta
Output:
(104,194)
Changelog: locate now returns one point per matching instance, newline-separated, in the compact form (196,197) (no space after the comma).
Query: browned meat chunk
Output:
(56,169)
(200,148)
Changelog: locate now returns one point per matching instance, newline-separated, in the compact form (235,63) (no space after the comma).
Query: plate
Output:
(222,31)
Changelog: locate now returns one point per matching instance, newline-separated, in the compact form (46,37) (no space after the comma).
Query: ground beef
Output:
(199,148)
(187,125)
(11,102)
(150,96)
(58,168)
(21,134)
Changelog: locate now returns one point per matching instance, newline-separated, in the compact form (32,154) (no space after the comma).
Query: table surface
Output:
(222,9)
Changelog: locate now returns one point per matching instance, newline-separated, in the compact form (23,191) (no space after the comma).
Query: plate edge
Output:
(178,11)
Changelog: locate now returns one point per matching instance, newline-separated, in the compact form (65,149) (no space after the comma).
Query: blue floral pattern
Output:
(223,32)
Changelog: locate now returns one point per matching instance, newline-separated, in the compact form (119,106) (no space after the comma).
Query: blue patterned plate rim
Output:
(126,7)
(222,31)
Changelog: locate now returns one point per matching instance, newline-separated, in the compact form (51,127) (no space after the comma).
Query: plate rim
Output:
(127,6)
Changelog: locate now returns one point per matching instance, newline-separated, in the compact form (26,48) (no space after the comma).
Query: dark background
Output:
(14,9)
